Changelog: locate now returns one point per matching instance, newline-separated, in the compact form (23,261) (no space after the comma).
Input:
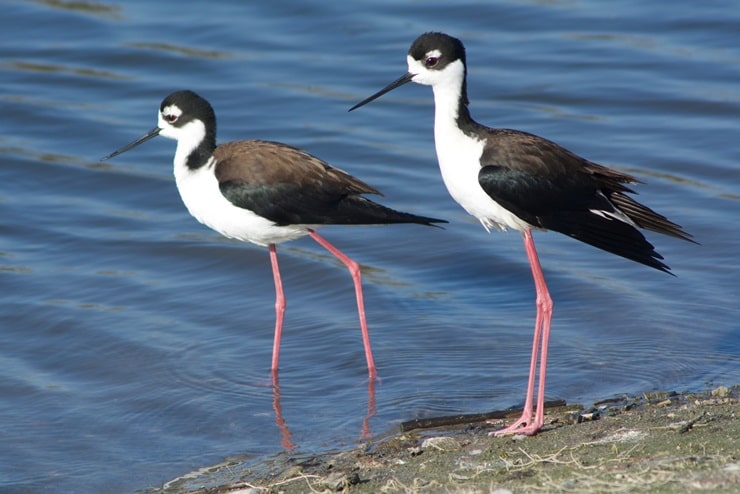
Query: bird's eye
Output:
(431,61)
(169,117)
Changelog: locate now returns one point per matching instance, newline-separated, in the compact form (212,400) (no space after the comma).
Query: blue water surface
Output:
(135,343)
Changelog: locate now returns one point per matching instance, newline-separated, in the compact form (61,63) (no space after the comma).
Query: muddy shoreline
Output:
(659,443)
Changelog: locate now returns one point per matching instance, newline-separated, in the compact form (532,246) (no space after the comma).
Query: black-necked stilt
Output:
(265,193)
(512,179)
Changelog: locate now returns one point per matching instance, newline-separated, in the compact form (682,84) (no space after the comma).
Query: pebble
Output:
(337,481)
(721,392)
(441,443)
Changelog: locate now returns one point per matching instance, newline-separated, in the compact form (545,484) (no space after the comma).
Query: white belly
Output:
(200,192)
(459,163)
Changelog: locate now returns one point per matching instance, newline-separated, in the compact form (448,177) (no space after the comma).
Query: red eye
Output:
(170,118)
(431,61)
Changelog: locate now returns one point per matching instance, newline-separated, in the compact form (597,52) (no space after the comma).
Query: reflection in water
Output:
(61,69)
(365,433)
(286,441)
(94,8)
(183,50)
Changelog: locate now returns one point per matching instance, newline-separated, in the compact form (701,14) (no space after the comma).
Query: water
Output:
(135,343)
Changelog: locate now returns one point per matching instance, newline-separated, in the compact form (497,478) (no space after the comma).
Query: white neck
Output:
(459,157)
(447,88)
(446,105)
(189,137)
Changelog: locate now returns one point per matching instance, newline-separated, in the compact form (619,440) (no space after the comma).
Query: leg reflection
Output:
(286,443)
(365,433)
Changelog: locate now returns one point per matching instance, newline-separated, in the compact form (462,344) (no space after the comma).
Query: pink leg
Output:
(531,420)
(354,270)
(279,310)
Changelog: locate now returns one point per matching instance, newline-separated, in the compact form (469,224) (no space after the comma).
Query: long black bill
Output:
(149,135)
(390,87)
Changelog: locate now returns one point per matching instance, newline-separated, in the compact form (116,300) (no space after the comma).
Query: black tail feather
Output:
(610,235)
(356,210)
(646,218)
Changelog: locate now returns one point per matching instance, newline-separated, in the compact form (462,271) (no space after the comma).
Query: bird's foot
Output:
(525,426)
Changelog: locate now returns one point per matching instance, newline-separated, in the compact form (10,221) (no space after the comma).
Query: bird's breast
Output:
(459,158)
(200,192)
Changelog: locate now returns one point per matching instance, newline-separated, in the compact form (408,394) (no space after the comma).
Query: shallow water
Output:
(135,343)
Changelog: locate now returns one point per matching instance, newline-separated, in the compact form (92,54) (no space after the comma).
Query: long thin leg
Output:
(531,420)
(544,313)
(354,270)
(279,309)
(528,410)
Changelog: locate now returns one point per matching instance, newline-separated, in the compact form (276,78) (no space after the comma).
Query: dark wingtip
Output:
(433,222)
(654,262)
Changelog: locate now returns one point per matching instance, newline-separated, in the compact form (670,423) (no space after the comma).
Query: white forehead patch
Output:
(452,73)
(415,66)
(168,111)
(172,110)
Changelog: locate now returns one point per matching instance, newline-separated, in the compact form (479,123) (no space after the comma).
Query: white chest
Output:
(459,162)
(202,197)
